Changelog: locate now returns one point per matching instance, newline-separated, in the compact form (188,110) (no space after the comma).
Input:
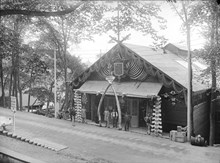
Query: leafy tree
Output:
(135,15)
(206,14)
(37,71)
(58,39)
(59,32)
(17,24)
(32,67)
(6,37)
(41,93)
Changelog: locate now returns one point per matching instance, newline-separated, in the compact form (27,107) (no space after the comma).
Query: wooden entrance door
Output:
(133,108)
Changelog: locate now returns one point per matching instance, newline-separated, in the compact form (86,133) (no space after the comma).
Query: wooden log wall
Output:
(173,115)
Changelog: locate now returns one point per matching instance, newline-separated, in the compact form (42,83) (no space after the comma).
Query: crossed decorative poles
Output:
(110,80)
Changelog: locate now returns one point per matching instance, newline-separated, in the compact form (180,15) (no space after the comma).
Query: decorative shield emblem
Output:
(118,69)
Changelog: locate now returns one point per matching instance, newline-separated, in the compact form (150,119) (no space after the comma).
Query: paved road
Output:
(89,143)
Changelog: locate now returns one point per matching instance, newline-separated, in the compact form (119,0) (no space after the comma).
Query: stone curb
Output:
(18,156)
(24,139)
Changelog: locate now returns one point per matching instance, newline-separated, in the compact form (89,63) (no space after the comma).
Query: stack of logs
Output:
(156,126)
(78,106)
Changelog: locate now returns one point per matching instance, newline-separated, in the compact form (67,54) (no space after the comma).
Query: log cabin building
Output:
(144,79)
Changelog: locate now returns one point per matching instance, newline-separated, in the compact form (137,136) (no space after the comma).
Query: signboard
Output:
(13,108)
(13,103)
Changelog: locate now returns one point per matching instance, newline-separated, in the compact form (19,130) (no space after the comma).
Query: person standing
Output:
(148,120)
(72,113)
(114,116)
(106,117)
(127,121)
(83,115)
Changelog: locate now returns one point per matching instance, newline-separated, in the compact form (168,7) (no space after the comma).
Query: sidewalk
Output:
(139,130)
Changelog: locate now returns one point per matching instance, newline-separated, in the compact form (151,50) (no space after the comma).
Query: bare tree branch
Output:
(4,12)
(178,13)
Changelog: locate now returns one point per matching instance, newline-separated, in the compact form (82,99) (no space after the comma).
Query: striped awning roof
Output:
(130,89)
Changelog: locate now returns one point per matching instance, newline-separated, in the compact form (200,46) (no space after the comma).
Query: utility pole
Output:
(189,83)
(189,88)
(189,91)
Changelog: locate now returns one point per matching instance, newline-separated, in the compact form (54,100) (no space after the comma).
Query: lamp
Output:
(97,93)
(173,100)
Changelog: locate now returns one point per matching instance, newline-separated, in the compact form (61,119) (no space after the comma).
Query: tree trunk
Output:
(16,64)
(29,96)
(10,85)
(16,81)
(20,92)
(214,33)
(19,104)
(20,96)
(65,66)
(65,76)
(48,100)
(2,81)
(212,106)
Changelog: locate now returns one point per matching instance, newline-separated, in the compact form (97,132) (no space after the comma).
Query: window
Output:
(134,107)
(217,116)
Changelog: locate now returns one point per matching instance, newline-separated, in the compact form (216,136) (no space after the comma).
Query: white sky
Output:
(89,50)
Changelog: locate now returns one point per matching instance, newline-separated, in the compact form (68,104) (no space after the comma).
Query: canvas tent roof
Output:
(33,100)
(181,47)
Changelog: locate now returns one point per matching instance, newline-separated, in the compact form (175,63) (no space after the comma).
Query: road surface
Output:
(90,143)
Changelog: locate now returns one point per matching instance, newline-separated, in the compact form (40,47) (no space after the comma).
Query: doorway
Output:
(109,101)
(133,109)
(145,106)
